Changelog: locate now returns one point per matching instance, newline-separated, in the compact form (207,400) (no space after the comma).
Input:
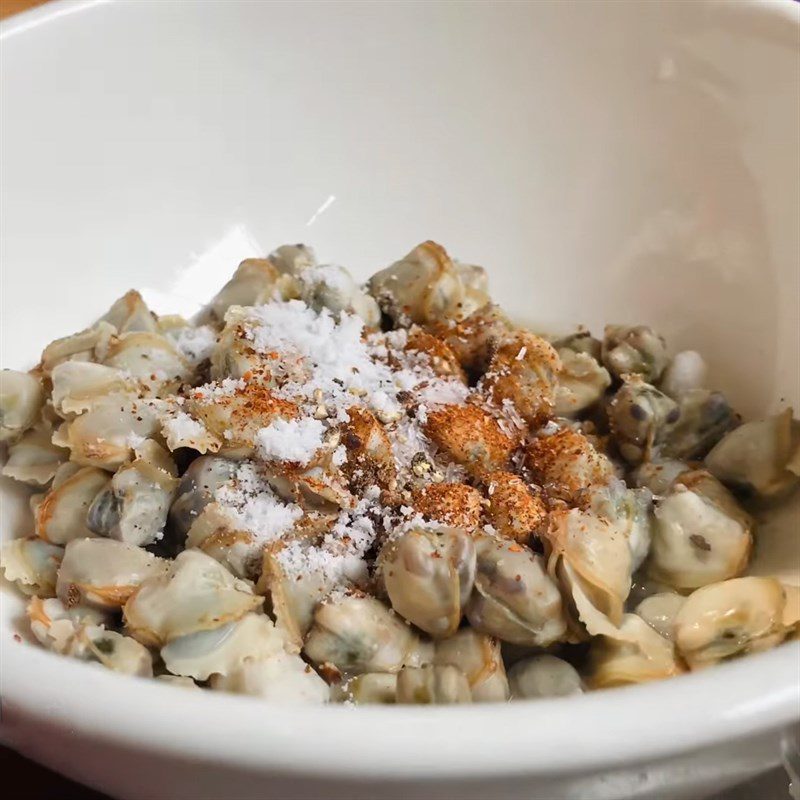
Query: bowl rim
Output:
(732,701)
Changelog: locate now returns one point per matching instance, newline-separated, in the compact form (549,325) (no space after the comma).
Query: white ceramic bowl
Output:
(621,161)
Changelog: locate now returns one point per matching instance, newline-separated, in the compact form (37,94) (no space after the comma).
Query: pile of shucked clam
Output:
(319,491)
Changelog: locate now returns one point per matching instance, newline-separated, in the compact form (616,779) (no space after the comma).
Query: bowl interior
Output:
(621,162)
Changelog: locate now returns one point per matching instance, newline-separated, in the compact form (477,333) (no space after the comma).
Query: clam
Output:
(195,594)
(728,619)
(149,358)
(590,556)
(448,503)
(630,512)
(632,653)
(86,345)
(32,564)
(428,574)
(581,341)
(705,417)
(57,627)
(659,475)
(293,598)
(475,338)
(224,649)
(432,685)
(567,465)
(104,573)
(282,679)
(424,286)
(469,436)
(582,381)
(512,509)
(318,488)
(292,259)
(33,458)
(196,490)
(700,535)
(116,652)
(218,533)
(253,283)
(61,514)
(104,435)
(479,658)
(333,287)
(635,350)
(369,452)
(514,599)
(475,281)
(130,313)
(543,676)
(78,385)
(434,353)
(761,458)
(21,398)
(523,370)
(641,418)
(358,633)
(685,373)
(133,507)
(234,354)
(371,688)
(236,418)
(660,610)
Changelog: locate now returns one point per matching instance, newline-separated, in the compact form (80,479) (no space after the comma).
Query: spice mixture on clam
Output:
(320,491)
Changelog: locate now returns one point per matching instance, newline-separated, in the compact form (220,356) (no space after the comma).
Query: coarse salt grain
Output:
(219,389)
(182,427)
(254,507)
(295,440)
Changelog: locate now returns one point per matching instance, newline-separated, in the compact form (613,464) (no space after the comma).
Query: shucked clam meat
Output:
(428,573)
(514,598)
(426,286)
(32,564)
(223,650)
(133,507)
(196,593)
(33,458)
(641,418)
(700,533)
(325,491)
(282,679)
(196,489)
(104,573)
(631,653)
(637,350)
(761,458)
(431,684)
(480,659)
(591,558)
(359,634)
(728,619)
(543,676)
(60,515)
(21,397)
